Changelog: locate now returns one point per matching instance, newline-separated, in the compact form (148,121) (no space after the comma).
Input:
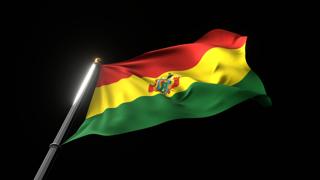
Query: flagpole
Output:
(53,147)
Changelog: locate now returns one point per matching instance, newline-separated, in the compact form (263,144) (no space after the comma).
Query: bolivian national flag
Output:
(186,81)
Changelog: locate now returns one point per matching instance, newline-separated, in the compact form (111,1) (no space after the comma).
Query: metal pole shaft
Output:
(45,164)
(57,141)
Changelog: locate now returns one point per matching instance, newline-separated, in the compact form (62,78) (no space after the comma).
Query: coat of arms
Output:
(165,84)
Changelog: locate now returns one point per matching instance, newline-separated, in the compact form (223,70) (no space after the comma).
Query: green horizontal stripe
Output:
(199,100)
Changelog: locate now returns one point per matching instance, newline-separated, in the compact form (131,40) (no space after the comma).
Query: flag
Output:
(193,80)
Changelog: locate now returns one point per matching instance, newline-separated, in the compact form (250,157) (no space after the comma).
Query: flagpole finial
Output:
(97,60)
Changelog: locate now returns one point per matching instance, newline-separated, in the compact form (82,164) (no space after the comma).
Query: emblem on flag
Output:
(165,84)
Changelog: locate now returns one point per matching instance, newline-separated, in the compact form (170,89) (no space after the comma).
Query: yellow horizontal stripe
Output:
(217,66)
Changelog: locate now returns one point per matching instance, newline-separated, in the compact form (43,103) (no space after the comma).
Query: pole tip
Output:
(97,60)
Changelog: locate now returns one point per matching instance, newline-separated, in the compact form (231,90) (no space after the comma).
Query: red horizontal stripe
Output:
(177,58)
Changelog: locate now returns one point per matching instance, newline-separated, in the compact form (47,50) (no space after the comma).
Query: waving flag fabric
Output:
(193,80)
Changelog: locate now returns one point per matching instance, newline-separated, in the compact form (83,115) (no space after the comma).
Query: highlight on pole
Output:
(85,82)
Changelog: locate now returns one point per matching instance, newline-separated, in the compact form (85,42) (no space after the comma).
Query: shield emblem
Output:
(165,84)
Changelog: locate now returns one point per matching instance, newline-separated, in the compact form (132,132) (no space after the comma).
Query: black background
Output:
(57,43)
